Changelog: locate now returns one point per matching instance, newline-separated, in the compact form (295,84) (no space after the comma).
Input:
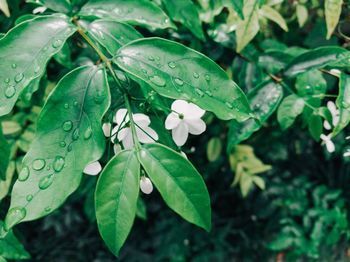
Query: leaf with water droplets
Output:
(136,12)
(290,108)
(116,196)
(4,155)
(112,35)
(62,6)
(53,166)
(179,72)
(178,182)
(264,100)
(24,57)
(185,12)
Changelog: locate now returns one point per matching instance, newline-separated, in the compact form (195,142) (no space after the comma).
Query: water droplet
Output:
(75,103)
(75,135)
(7,80)
(66,105)
(48,167)
(57,43)
(24,174)
(14,216)
(10,91)
(345,104)
(151,58)
(207,77)
(208,93)
(172,65)
(45,48)
(229,105)
(14,66)
(47,209)
(69,148)
(157,58)
(88,133)
(256,107)
(179,81)
(46,181)
(38,164)
(19,77)
(158,81)
(195,75)
(62,144)
(58,163)
(166,21)
(67,126)
(199,92)
(144,71)
(29,197)
(36,69)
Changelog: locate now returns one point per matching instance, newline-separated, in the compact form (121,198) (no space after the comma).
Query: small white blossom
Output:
(183,154)
(93,168)
(146,185)
(117,148)
(125,134)
(329,144)
(106,127)
(347,153)
(39,10)
(185,119)
(335,115)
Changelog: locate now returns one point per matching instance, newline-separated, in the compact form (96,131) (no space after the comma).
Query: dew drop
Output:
(14,66)
(19,77)
(24,174)
(144,71)
(14,216)
(157,58)
(75,103)
(48,167)
(7,80)
(195,75)
(10,91)
(172,65)
(45,48)
(345,104)
(67,126)
(199,92)
(209,93)
(29,197)
(151,58)
(38,164)
(46,181)
(229,105)
(58,163)
(47,209)
(57,43)
(157,81)
(207,77)
(66,105)
(62,144)
(179,81)
(88,133)
(69,148)
(75,135)
(36,69)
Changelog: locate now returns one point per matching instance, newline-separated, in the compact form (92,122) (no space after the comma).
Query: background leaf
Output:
(332,10)
(4,155)
(273,15)
(290,108)
(343,103)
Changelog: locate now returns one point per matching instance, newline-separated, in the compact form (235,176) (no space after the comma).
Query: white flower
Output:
(106,127)
(146,185)
(347,153)
(335,115)
(183,154)
(39,9)
(117,148)
(93,168)
(185,119)
(125,134)
(329,144)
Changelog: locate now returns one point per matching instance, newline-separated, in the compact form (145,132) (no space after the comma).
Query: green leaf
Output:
(315,126)
(274,61)
(316,58)
(264,100)
(290,108)
(179,183)
(68,137)
(112,35)
(63,57)
(332,10)
(11,248)
(281,243)
(302,14)
(249,27)
(25,51)
(141,210)
(311,83)
(2,259)
(4,155)
(273,15)
(245,183)
(116,197)
(4,7)
(179,72)
(5,185)
(259,182)
(136,12)
(343,103)
(62,6)
(214,149)
(185,12)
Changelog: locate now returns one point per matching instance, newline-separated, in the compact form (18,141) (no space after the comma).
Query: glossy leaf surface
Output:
(116,198)
(264,100)
(137,12)
(290,108)
(62,6)
(68,137)
(112,35)
(273,15)
(343,103)
(25,51)
(185,12)
(332,10)
(4,155)
(5,184)
(178,72)
(179,183)
(316,58)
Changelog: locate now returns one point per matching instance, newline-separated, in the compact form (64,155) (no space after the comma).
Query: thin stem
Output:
(132,123)
(329,72)
(145,132)
(325,95)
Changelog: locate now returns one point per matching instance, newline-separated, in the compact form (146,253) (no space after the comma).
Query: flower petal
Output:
(117,148)
(336,120)
(93,168)
(180,134)
(330,146)
(123,133)
(39,10)
(106,127)
(326,125)
(196,126)
(172,121)
(141,119)
(331,106)
(119,116)
(180,106)
(194,111)
(127,141)
(146,185)
(143,137)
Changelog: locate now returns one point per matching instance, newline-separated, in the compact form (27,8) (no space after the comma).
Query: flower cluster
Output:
(335,119)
